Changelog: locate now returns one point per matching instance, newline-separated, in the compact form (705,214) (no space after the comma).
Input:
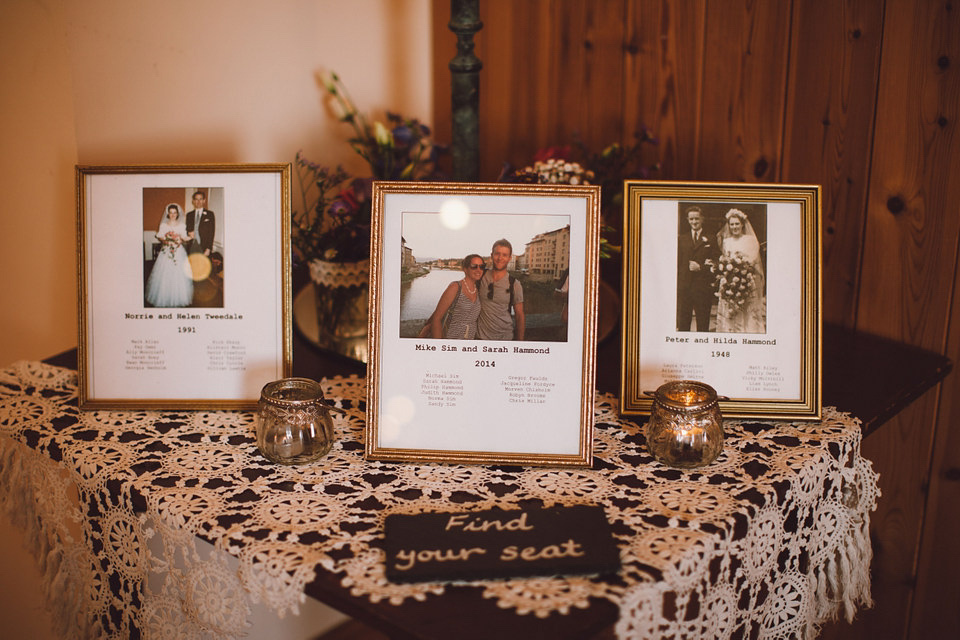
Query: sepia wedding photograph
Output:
(721,284)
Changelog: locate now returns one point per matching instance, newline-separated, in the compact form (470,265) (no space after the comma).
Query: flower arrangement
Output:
(334,224)
(735,279)
(559,171)
(578,165)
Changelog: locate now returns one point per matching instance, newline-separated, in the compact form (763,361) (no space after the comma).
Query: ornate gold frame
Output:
(386,374)
(108,301)
(640,369)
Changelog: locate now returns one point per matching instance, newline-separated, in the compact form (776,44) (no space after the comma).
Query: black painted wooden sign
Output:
(499,544)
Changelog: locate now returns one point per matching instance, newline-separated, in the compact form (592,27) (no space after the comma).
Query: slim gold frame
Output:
(207,174)
(807,404)
(378,371)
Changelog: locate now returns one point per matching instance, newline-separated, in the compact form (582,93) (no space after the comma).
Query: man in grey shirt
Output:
(495,288)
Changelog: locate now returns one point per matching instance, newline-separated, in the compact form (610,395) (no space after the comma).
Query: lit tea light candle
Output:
(685,429)
(687,397)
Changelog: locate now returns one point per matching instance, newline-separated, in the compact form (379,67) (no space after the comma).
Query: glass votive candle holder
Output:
(685,428)
(293,421)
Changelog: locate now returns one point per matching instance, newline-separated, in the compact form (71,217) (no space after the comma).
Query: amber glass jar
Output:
(685,429)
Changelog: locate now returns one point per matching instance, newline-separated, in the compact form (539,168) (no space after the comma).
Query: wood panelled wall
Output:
(860,96)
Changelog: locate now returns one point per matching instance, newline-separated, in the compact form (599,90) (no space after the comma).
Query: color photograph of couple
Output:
(182,252)
(507,282)
(721,258)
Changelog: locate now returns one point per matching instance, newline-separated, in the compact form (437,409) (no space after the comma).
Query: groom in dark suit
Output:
(203,224)
(696,252)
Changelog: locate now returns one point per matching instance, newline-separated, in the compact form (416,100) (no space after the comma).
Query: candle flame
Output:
(688,397)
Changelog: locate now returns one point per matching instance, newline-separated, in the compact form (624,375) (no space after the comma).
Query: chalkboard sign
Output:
(499,544)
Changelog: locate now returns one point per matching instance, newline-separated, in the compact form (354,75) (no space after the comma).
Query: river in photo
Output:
(419,297)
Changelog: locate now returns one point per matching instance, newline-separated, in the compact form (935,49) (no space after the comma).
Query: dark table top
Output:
(871,378)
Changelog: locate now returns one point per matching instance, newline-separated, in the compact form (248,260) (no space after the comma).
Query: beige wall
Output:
(179,81)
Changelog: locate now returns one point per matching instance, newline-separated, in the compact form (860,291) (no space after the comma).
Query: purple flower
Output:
(340,207)
(403,135)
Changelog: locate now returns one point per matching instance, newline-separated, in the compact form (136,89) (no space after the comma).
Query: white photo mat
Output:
(208,354)
(524,402)
(771,369)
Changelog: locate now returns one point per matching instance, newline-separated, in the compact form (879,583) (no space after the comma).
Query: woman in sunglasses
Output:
(459,306)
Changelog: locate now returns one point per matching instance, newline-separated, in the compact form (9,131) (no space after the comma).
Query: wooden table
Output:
(869,377)
(872,378)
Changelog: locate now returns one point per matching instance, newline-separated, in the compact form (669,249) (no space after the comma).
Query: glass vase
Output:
(341,290)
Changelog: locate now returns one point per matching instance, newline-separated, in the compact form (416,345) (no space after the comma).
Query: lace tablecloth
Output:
(768,541)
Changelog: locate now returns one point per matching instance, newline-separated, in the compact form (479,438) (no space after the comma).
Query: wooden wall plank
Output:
(517,109)
(549,74)
(663,76)
(908,269)
(745,64)
(444,49)
(934,611)
(834,64)
(554,68)
(912,220)
(590,48)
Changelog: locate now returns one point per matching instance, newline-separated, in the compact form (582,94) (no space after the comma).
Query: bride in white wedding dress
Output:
(741,282)
(171,280)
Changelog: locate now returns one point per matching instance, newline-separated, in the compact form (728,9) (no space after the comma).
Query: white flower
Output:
(382,135)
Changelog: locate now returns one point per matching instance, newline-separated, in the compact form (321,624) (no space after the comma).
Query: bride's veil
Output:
(748,245)
(747,227)
(180,219)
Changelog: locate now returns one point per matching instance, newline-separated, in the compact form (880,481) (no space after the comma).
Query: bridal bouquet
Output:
(735,279)
(169,243)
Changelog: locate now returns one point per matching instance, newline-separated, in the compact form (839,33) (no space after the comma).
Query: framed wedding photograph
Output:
(482,334)
(184,284)
(721,284)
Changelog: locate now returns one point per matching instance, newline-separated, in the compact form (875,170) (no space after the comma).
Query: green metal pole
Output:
(465,89)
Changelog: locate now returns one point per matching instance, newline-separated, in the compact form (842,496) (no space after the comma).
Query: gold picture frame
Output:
(752,273)
(209,321)
(526,401)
